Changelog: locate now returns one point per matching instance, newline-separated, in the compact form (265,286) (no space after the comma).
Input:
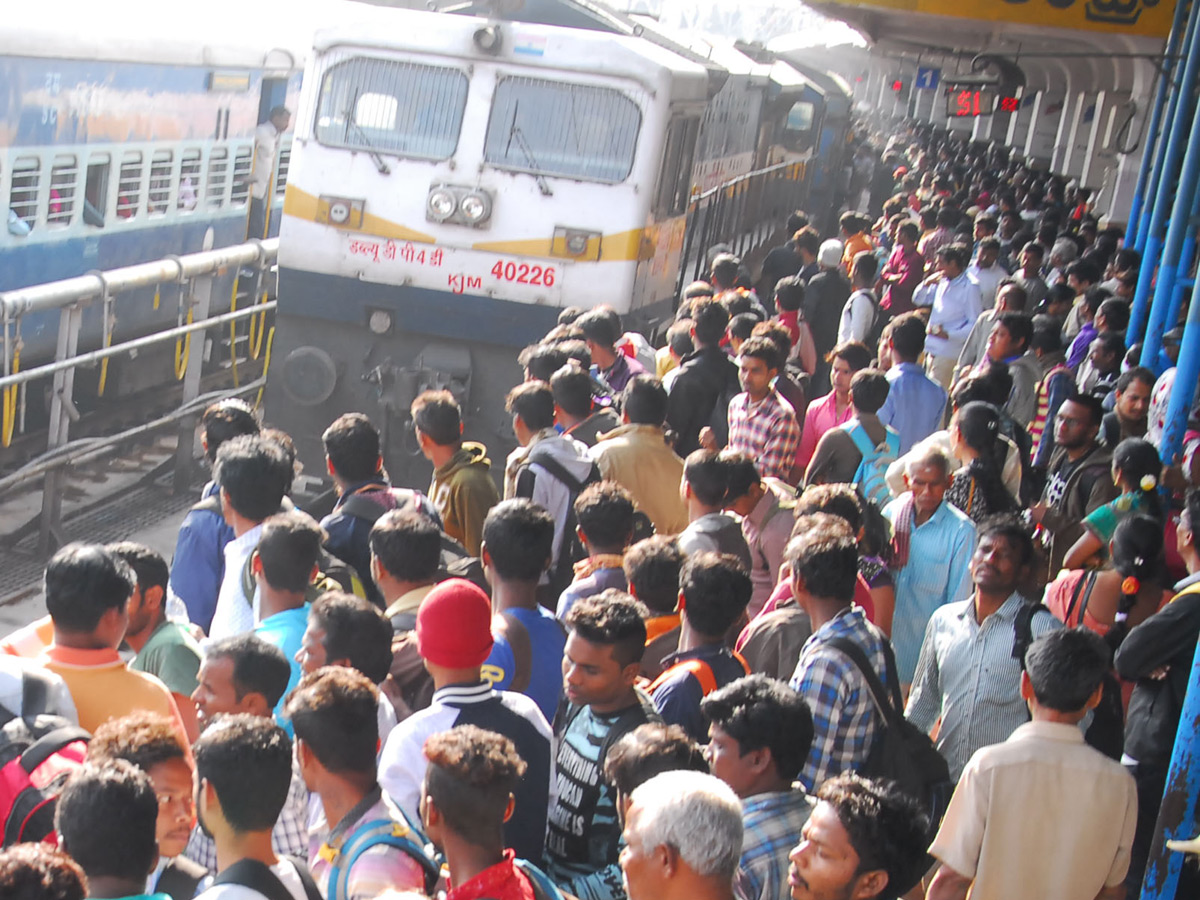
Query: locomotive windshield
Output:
(401,108)
(570,130)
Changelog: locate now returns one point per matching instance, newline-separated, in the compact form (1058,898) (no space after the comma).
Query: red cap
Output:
(454,625)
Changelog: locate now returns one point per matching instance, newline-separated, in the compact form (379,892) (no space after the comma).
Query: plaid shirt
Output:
(772,823)
(844,714)
(766,431)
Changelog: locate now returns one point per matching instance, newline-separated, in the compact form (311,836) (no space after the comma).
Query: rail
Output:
(741,214)
(195,273)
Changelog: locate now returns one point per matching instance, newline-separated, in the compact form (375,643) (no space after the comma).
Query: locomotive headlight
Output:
(339,212)
(441,204)
(380,321)
(475,207)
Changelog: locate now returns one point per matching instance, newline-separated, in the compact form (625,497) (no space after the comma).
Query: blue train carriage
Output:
(454,183)
(126,137)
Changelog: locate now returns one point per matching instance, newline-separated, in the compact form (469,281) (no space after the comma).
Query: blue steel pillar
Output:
(1145,182)
(1177,123)
(1182,203)
(1182,271)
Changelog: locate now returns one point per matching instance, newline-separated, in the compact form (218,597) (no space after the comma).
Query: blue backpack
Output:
(871,475)
(400,833)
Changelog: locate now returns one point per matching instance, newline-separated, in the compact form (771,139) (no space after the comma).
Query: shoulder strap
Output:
(522,651)
(249,585)
(258,877)
(1087,595)
(360,507)
(558,471)
(697,668)
(1086,581)
(543,887)
(177,882)
(886,706)
(634,716)
(1023,630)
(210,504)
(373,833)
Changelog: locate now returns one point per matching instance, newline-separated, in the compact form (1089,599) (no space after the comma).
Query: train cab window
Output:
(64,182)
(158,197)
(386,106)
(799,117)
(242,160)
(675,174)
(95,190)
(189,180)
(129,185)
(554,128)
(281,169)
(218,178)
(23,193)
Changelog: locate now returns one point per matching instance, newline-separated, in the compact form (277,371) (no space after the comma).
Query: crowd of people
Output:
(890,494)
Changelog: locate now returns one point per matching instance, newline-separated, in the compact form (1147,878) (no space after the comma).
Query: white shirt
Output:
(956,304)
(857,316)
(283,870)
(988,281)
(266,145)
(234,614)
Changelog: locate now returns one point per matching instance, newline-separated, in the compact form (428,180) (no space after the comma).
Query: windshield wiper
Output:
(368,145)
(515,133)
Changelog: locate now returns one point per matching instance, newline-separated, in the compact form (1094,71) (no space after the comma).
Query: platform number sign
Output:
(970,102)
(927,79)
(1010,104)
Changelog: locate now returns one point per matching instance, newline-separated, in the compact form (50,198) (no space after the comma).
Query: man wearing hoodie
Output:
(548,468)
(704,486)
(462,488)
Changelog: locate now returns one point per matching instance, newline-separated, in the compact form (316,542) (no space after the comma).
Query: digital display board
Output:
(970,102)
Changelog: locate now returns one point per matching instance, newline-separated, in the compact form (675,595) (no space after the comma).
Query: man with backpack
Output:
(601,665)
(860,451)
(528,641)
(550,469)
(713,593)
(824,562)
(243,771)
(961,642)
(761,423)
(861,312)
(353,460)
(360,843)
(454,638)
(705,484)
(470,785)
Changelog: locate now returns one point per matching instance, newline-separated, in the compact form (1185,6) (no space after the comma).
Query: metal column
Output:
(1145,183)
(1179,117)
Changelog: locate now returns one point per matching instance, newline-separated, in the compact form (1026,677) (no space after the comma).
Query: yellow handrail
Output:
(9,423)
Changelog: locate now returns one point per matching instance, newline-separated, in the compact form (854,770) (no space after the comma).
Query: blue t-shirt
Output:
(546,642)
(286,631)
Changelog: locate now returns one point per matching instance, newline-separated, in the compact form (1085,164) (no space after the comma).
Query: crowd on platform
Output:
(870,581)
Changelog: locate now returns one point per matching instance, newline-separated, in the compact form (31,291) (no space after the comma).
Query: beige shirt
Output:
(1040,815)
(637,458)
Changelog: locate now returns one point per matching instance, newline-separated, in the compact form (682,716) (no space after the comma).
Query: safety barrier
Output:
(195,274)
(741,214)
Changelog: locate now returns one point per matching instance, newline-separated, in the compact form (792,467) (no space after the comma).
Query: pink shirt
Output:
(820,416)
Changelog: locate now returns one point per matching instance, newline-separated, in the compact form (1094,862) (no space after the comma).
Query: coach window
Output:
(242,160)
(95,190)
(23,193)
(64,182)
(570,130)
(158,197)
(189,180)
(129,186)
(800,117)
(399,108)
(218,178)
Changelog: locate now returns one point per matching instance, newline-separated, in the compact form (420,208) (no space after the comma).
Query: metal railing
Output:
(741,213)
(195,274)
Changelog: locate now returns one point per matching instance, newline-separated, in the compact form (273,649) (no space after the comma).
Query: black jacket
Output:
(704,376)
(1167,638)
(824,298)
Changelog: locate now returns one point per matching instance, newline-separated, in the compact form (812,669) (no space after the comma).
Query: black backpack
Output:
(902,752)
(1107,731)
(258,877)
(562,572)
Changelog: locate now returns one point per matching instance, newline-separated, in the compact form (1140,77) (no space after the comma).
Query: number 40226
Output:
(524,273)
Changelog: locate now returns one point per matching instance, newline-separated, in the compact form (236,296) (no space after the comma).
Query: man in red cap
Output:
(454,638)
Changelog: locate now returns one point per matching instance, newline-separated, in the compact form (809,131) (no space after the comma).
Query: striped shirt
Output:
(766,431)
(844,714)
(937,573)
(772,824)
(378,869)
(967,677)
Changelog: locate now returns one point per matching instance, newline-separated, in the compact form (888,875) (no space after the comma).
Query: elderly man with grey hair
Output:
(932,547)
(683,838)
